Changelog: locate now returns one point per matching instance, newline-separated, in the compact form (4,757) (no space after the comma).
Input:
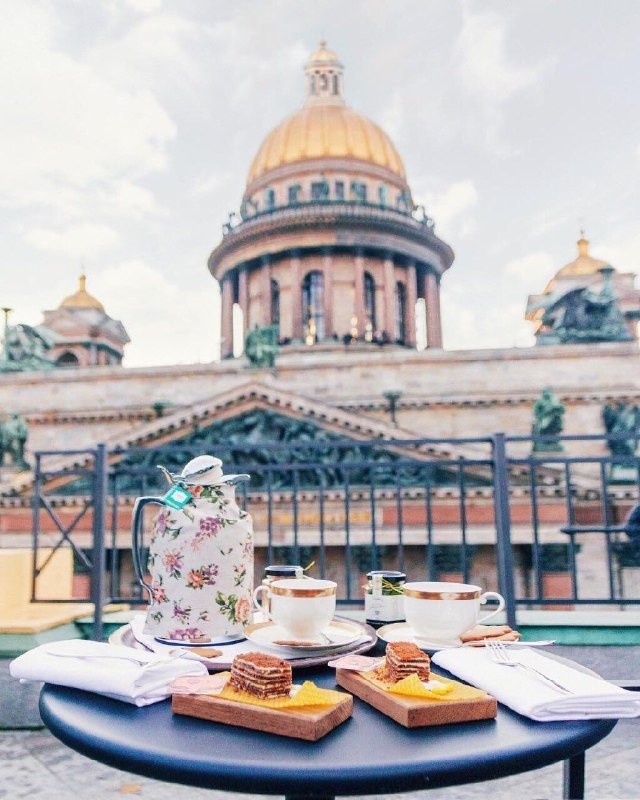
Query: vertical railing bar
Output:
(431,555)
(571,518)
(399,513)
(114,560)
(269,516)
(37,488)
(372,507)
(99,525)
(604,503)
(463,522)
(323,554)
(503,526)
(347,530)
(294,500)
(537,562)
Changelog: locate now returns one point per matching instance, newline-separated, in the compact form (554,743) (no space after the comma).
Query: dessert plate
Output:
(402,632)
(274,637)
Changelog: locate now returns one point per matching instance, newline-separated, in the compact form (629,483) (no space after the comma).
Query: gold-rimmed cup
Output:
(302,606)
(439,611)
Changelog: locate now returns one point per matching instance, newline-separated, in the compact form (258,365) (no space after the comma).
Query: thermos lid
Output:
(282,571)
(203,471)
(389,575)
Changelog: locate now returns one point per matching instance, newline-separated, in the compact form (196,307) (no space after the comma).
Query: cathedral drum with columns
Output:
(329,246)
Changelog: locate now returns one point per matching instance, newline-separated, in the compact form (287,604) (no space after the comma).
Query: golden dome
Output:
(326,131)
(325,127)
(584,264)
(81,298)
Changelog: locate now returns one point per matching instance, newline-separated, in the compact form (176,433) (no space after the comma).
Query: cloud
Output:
(64,126)
(169,321)
(74,241)
(533,268)
(488,72)
(450,208)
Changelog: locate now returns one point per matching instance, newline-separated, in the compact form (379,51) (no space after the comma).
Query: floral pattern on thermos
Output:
(201,567)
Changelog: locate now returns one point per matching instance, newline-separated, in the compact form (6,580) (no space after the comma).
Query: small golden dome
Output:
(584,263)
(81,298)
(323,54)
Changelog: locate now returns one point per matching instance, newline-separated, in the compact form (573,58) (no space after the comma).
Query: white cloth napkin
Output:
(118,672)
(533,697)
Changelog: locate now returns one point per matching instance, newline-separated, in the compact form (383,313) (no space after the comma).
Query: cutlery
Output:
(120,656)
(500,655)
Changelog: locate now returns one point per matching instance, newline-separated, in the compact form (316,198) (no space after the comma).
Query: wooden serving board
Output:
(414,712)
(310,724)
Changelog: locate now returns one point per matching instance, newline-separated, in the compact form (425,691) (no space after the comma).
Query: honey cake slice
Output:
(261,675)
(406,658)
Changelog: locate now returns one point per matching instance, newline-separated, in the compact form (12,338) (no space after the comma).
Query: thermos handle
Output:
(137,536)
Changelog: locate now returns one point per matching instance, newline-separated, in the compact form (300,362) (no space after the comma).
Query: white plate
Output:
(273,636)
(402,632)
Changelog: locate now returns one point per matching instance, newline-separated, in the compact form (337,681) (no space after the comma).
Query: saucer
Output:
(275,637)
(239,637)
(402,632)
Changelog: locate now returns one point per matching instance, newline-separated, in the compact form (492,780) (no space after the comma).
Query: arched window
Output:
(313,307)
(369,306)
(401,313)
(336,89)
(269,199)
(275,304)
(67,359)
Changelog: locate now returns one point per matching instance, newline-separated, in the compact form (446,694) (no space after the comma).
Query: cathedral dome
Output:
(325,127)
(584,264)
(82,298)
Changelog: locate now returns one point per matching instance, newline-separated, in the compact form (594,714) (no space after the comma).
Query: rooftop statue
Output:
(24,349)
(13,437)
(582,315)
(622,421)
(261,346)
(548,421)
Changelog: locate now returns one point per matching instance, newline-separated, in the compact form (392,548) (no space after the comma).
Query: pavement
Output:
(36,765)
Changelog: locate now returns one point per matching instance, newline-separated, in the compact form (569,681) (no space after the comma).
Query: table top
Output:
(369,753)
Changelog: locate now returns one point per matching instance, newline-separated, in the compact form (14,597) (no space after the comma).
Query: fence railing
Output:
(545,528)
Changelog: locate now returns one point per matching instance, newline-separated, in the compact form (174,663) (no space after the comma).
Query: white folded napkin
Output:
(133,676)
(532,696)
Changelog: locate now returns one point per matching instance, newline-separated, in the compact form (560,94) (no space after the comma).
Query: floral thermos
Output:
(200,561)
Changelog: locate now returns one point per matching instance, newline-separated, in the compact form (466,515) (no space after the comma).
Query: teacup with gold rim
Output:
(302,606)
(441,611)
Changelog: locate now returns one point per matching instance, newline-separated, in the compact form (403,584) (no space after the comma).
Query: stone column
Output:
(432,299)
(358,284)
(226,312)
(243,301)
(327,272)
(296,296)
(412,297)
(265,301)
(389,297)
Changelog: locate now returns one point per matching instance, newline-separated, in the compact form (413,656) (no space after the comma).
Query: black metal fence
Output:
(545,528)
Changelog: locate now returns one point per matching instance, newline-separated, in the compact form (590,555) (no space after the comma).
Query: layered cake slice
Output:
(261,675)
(405,658)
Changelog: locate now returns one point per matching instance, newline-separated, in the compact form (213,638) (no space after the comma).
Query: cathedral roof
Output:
(81,298)
(325,127)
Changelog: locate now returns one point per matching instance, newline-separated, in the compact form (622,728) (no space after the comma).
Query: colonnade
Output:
(418,283)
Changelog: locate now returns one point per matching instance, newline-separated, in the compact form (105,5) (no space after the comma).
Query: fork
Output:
(501,655)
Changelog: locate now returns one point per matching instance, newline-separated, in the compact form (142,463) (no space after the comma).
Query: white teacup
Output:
(302,606)
(440,612)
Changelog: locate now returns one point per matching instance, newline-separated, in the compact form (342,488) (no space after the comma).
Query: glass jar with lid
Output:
(383,597)
(278,572)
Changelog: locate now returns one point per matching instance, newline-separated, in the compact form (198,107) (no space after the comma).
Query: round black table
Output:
(368,754)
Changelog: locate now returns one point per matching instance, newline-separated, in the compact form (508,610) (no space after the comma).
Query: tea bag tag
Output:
(177,497)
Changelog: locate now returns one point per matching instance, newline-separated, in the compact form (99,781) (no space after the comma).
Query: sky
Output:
(127,128)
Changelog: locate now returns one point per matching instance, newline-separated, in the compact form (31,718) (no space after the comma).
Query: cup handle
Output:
(257,605)
(483,600)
